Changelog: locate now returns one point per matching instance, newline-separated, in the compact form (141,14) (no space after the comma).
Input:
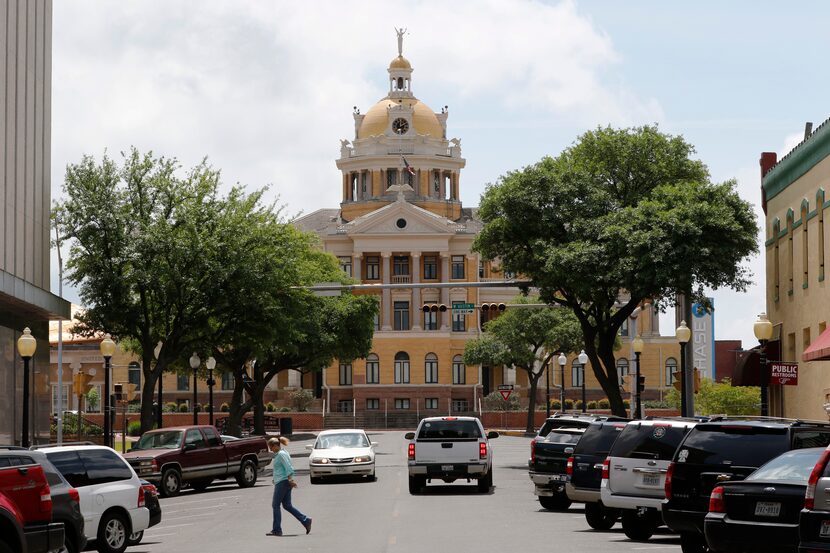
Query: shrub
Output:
(626,403)
(134,428)
(270,407)
(197,407)
(578,404)
(183,408)
(302,399)
(554,404)
(604,404)
(170,407)
(495,402)
(285,409)
(225,408)
(592,405)
(569,404)
(656,404)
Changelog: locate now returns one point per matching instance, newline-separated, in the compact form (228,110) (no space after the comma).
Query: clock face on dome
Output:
(400,126)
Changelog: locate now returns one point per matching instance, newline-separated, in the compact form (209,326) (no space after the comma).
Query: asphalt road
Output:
(381,516)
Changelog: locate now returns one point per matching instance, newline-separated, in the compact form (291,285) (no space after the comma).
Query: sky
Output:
(265,90)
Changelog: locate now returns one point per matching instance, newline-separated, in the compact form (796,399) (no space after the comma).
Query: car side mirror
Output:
(409,436)
(309,446)
(189,447)
(569,450)
(492,435)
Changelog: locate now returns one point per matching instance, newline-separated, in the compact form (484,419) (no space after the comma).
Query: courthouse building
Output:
(401,221)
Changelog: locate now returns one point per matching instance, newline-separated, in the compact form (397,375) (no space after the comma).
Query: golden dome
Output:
(400,63)
(423,118)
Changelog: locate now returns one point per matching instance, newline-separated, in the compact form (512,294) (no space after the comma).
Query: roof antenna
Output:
(808,129)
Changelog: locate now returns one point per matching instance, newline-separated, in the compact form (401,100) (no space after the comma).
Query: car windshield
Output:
(552,424)
(161,439)
(793,466)
(726,444)
(645,441)
(564,436)
(354,439)
(449,430)
(599,437)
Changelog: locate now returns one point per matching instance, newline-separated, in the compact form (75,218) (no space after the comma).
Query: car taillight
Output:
(667,485)
(411,453)
(74,495)
(141,497)
(155,466)
(46,499)
(533,451)
(818,470)
(569,468)
(482,450)
(716,503)
(606,468)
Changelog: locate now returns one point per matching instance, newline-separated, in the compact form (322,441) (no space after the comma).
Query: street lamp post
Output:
(160,406)
(210,364)
(107,349)
(194,364)
(684,334)
(583,358)
(637,345)
(547,388)
(562,360)
(26,346)
(763,331)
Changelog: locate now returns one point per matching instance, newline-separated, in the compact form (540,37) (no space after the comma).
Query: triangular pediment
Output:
(387,221)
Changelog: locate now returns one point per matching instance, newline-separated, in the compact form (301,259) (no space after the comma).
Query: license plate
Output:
(824,531)
(447,467)
(339,469)
(559,477)
(651,480)
(767,509)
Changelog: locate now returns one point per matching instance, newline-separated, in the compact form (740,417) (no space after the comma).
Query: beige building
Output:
(401,222)
(798,302)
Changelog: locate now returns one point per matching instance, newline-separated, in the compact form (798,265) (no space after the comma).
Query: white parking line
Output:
(188,509)
(166,526)
(186,516)
(153,536)
(187,501)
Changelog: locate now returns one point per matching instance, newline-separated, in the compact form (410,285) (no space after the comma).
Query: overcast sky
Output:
(265,90)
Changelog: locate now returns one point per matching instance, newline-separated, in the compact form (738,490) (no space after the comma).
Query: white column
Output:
(445,292)
(387,294)
(415,311)
(356,258)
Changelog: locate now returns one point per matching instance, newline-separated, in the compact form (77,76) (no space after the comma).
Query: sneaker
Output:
(275,533)
(307,525)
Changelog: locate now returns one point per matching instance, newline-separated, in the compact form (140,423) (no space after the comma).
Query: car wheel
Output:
(556,502)
(112,534)
(693,543)
(201,485)
(485,483)
(638,526)
(247,474)
(600,517)
(372,477)
(416,484)
(135,538)
(68,544)
(171,483)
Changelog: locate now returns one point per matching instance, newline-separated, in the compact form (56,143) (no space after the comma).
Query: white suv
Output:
(112,499)
(634,473)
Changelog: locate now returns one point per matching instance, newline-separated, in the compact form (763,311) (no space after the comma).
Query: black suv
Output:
(727,449)
(65,501)
(585,470)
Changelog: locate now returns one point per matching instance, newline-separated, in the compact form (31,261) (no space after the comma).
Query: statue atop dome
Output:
(400,32)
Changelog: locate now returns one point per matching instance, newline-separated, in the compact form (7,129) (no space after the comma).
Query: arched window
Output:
(622,369)
(671,368)
(431,369)
(790,250)
(459,370)
(401,368)
(776,259)
(805,250)
(372,369)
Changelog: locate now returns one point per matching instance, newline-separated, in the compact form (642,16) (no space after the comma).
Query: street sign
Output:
(783,373)
(505,390)
(505,386)
(327,293)
(464,308)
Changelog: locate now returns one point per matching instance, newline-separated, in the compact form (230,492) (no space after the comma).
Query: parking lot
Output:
(381,516)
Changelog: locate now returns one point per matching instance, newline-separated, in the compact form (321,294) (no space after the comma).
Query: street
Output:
(382,516)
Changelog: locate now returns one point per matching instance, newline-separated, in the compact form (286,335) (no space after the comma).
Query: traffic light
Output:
(434,308)
(641,384)
(485,307)
(676,380)
(80,382)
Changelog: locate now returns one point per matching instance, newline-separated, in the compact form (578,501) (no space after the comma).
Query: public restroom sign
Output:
(783,374)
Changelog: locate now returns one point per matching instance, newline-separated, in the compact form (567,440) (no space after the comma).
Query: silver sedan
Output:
(341,453)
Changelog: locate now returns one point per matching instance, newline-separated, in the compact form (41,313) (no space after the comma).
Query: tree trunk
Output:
(611,384)
(533,382)
(238,408)
(148,390)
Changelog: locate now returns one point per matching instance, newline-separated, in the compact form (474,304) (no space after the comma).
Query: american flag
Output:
(408,167)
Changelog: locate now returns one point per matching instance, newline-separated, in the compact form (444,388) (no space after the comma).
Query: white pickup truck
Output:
(449,449)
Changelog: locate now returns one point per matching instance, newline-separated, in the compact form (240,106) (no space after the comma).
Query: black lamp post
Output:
(107,349)
(583,358)
(547,388)
(763,331)
(195,362)
(210,363)
(637,345)
(684,334)
(26,346)
(562,360)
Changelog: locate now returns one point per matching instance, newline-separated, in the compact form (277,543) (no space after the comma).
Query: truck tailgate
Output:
(455,451)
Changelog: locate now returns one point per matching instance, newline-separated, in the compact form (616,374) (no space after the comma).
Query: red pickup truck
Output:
(195,455)
(26,512)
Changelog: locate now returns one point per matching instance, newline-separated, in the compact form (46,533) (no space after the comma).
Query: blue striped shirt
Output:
(282,466)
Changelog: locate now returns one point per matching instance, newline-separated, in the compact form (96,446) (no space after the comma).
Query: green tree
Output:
(722,398)
(620,217)
(527,338)
(92,399)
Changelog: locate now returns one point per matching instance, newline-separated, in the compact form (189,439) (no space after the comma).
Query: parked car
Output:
(814,520)
(584,469)
(112,500)
(66,503)
(633,475)
(549,453)
(336,453)
(723,450)
(450,449)
(196,455)
(760,513)
(26,512)
(151,501)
